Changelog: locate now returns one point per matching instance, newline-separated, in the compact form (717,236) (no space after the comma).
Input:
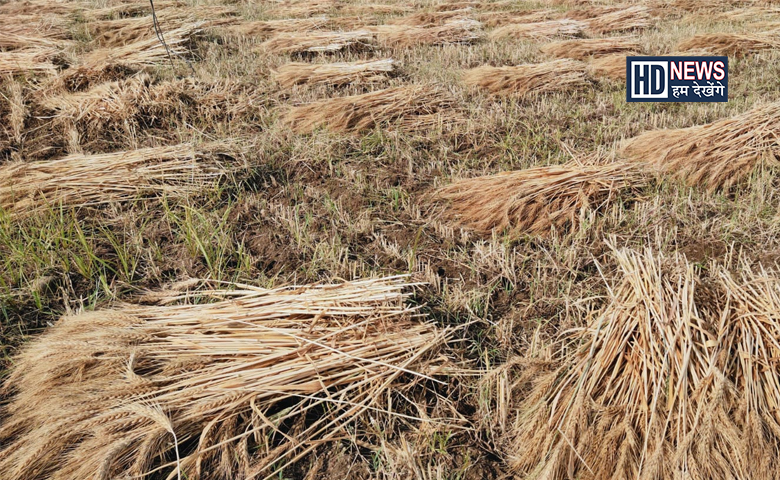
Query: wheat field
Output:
(385,239)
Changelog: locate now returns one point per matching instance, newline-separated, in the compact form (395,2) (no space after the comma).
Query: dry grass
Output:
(631,18)
(363,112)
(428,19)
(609,66)
(675,376)
(41,7)
(731,43)
(264,29)
(454,32)
(317,42)
(540,30)
(337,74)
(89,180)
(124,31)
(530,79)
(535,201)
(112,63)
(36,60)
(581,49)
(497,19)
(235,389)
(713,156)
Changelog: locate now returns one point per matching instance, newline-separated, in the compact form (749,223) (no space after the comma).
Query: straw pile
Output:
(713,156)
(117,33)
(676,377)
(461,31)
(112,63)
(264,29)
(581,49)
(428,19)
(337,74)
(609,66)
(540,30)
(497,19)
(593,11)
(40,7)
(88,180)
(317,42)
(363,112)
(731,43)
(529,79)
(631,18)
(13,111)
(535,201)
(35,60)
(240,388)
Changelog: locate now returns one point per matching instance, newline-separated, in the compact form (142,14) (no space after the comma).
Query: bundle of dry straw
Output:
(459,31)
(713,156)
(581,49)
(535,201)
(631,18)
(341,73)
(540,30)
(426,19)
(240,388)
(363,112)
(497,19)
(530,79)
(317,42)
(35,60)
(676,377)
(108,63)
(266,28)
(610,66)
(90,180)
(731,43)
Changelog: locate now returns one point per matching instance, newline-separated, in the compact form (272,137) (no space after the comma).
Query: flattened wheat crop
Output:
(240,388)
(530,79)
(317,42)
(713,156)
(339,73)
(731,43)
(540,30)
(363,112)
(537,200)
(581,49)
(89,180)
(675,375)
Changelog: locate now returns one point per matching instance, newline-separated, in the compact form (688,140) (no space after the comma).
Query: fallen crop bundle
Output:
(530,79)
(341,73)
(105,114)
(499,18)
(581,49)
(610,66)
(316,42)
(264,29)
(427,19)
(117,33)
(537,200)
(731,43)
(460,31)
(540,30)
(109,63)
(88,180)
(675,377)
(631,18)
(240,388)
(362,112)
(35,60)
(713,156)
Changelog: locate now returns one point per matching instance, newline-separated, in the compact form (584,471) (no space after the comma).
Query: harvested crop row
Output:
(89,180)
(337,74)
(240,388)
(363,112)
(317,42)
(609,66)
(36,60)
(429,19)
(631,18)
(581,49)
(731,43)
(530,79)
(535,201)
(674,376)
(540,30)
(461,31)
(713,156)
(497,19)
